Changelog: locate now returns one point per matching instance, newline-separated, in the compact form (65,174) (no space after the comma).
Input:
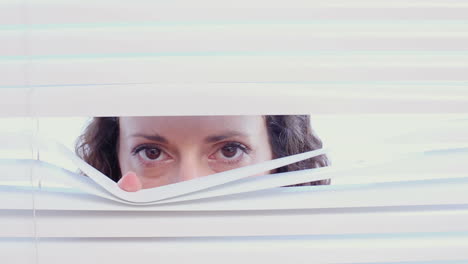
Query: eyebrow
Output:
(225,135)
(209,139)
(154,137)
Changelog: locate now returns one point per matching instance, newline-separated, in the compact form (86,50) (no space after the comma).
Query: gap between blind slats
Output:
(425,165)
(430,164)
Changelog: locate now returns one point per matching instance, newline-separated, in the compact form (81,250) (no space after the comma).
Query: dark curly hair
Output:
(288,135)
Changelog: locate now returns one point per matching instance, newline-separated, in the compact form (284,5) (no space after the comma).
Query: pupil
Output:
(229,151)
(152,153)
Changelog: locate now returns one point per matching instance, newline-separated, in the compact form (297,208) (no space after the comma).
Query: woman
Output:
(146,152)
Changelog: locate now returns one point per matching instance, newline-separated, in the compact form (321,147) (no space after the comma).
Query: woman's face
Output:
(166,150)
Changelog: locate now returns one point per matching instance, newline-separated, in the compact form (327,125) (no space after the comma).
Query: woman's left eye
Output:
(231,152)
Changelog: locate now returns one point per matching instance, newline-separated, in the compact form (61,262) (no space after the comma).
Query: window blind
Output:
(347,61)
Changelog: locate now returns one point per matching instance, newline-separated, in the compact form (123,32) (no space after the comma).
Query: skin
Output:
(156,151)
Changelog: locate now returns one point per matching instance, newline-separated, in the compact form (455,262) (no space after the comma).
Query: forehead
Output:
(192,125)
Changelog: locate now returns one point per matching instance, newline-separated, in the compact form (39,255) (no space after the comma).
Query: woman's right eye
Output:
(150,153)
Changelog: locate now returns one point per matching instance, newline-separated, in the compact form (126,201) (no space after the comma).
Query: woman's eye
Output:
(230,151)
(150,153)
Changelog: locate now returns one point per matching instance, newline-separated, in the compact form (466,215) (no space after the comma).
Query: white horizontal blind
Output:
(327,56)
(98,58)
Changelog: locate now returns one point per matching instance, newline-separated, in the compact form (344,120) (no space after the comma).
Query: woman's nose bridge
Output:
(191,167)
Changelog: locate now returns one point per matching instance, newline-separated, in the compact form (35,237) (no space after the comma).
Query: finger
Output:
(130,182)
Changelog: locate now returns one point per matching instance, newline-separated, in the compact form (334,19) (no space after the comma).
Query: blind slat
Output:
(225,98)
(383,194)
(426,248)
(257,4)
(218,38)
(11,15)
(212,69)
(62,224)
